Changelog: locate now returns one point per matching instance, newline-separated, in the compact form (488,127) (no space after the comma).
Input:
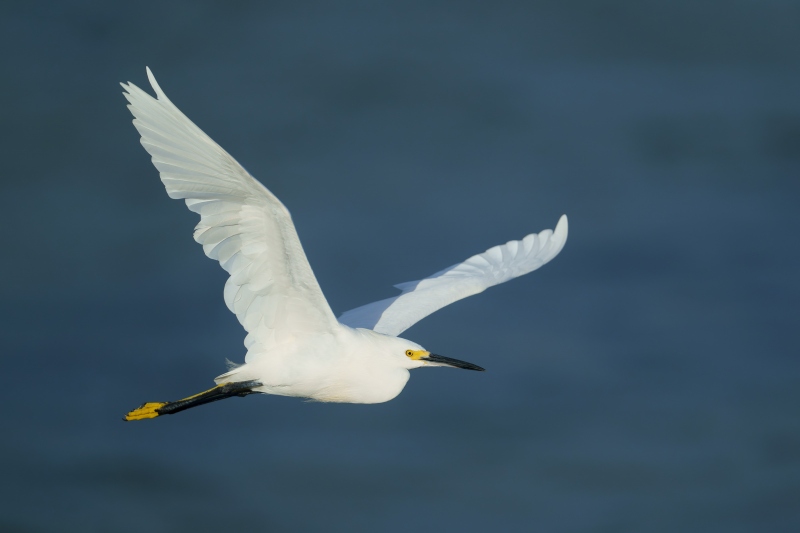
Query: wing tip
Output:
(562,227)
(154,84)
(560,233)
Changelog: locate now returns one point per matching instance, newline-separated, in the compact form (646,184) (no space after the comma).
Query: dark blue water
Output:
(645,380)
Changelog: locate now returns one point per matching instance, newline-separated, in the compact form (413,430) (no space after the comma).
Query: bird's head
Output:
(413,355)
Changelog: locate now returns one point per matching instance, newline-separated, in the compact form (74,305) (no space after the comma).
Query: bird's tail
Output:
(233,369)
(220,392)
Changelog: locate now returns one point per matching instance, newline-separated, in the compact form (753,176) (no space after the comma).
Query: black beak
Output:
(440,360)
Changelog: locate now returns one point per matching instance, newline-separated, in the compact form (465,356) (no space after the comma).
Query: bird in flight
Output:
(295,344)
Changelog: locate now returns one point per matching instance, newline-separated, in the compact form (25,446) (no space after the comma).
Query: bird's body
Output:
(295,344)
(350,365)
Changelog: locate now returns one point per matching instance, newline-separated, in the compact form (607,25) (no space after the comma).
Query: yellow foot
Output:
(147,410)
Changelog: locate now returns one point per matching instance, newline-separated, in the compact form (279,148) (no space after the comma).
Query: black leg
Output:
(220,392)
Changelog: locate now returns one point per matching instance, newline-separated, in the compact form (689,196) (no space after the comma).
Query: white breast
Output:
(349,366)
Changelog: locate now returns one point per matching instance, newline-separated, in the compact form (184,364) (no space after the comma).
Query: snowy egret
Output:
(295,345)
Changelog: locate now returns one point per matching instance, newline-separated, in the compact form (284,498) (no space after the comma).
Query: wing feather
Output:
(496,265)
(271,289)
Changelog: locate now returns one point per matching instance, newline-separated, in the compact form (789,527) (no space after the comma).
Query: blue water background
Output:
(647,380)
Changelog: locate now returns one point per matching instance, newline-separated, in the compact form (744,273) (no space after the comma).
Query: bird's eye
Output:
(409,353)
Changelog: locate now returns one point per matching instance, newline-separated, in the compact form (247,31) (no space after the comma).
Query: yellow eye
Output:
(409,353)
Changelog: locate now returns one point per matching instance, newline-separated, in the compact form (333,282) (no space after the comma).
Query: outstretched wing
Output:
(271,288)
(494,266)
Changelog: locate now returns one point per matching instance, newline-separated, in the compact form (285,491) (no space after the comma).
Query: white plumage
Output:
(295,345)
(496,265)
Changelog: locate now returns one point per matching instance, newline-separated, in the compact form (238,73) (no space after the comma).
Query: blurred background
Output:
(645,380)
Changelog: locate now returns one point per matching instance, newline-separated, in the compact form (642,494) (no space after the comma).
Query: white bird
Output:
(295,345)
